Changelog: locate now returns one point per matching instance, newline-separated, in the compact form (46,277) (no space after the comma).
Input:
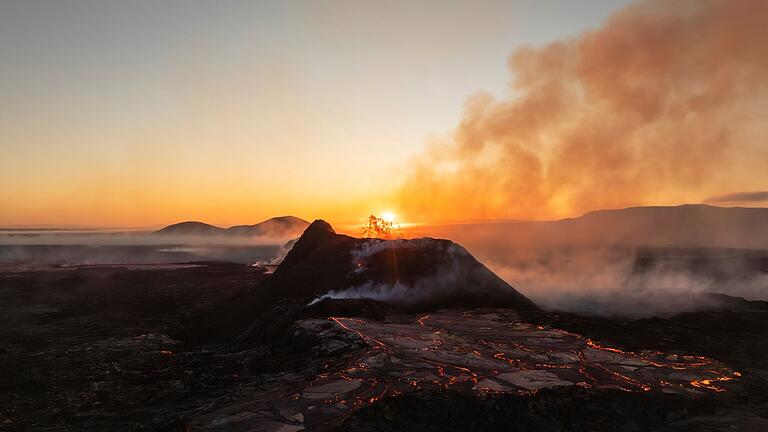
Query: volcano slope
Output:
(414,275)
(417,275)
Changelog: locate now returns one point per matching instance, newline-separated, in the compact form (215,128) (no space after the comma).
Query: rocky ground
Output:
(169,348)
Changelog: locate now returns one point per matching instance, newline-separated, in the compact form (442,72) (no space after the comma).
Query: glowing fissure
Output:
(488,353)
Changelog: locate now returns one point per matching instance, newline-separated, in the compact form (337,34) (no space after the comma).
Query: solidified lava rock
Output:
(551,410)
(361,308)
(273,327)
(418,274)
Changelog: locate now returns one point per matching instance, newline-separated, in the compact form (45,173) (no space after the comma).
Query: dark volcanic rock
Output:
(106,348)
(415,275)
(272,327)
(419,274)
(363,308)
(552,410)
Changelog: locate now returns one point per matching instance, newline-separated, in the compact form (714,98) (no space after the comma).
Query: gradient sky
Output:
(144,113)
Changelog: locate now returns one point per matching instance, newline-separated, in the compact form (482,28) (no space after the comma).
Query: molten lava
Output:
(488,353)
(383,227)
(473,352)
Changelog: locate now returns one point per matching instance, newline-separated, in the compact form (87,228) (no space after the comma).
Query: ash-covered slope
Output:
(419,274)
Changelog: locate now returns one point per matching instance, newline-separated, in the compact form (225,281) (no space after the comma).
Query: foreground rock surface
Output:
(118,348)
(468,352)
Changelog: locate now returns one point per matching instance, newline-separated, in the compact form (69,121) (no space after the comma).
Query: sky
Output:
(145,113)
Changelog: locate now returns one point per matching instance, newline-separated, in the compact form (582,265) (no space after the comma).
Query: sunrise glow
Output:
(389,216)
(165,127)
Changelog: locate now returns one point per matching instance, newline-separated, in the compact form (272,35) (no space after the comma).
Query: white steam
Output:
(445,281)
(614,282)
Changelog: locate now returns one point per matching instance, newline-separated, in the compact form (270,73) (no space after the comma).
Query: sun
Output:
(388,216)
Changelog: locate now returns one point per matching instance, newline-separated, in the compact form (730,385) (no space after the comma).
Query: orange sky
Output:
(235,114)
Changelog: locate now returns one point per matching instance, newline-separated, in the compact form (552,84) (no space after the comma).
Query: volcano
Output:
(418,274)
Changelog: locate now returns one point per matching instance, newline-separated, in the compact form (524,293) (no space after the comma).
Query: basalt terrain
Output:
(359,335)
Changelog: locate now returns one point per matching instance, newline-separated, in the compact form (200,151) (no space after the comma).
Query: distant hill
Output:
(191,228)
(282,226)
(686,225)
(690,225)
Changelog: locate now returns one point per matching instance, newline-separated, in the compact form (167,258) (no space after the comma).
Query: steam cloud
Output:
(446,280)
(602,280)
(613,282)
(443,282)
(560,267)
(665,102)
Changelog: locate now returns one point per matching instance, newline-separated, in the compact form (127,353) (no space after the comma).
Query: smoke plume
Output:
(664,103)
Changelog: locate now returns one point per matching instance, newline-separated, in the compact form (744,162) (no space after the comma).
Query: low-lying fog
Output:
(125,238)
(574,276)
(133,247)
(635,282)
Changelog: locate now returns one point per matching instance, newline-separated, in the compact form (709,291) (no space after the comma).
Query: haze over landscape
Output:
(361,216)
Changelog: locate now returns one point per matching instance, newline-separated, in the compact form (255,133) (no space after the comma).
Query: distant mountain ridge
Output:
(688,225)
(683,225)
(281,226)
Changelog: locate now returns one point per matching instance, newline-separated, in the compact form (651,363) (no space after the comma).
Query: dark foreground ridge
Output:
(419,274)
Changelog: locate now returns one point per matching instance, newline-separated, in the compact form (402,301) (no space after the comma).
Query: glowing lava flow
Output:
(590,343)
(494,353)
(694,361)
(471,352)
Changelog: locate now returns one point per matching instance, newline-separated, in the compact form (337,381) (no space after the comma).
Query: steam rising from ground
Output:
(633,282)
(441,282)
(100,248)
(447,279)
(665,102)
(131,238)
(609,280)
